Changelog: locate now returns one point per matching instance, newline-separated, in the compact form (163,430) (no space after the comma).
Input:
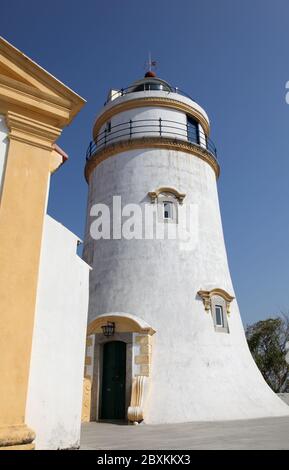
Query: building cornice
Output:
(17,97)
(151,142)
(27,88)
(151,101)
(30,131)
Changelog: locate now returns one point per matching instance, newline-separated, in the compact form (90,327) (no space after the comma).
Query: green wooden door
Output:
(113,380)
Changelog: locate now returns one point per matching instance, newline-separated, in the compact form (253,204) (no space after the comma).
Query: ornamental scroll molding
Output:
(155,194)
(141,380)
(140,386)
(207,296)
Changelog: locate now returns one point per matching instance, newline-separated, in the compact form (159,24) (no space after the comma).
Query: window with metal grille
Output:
(193,130)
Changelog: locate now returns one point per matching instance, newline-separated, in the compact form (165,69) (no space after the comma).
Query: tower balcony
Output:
(146,86)
(147,132)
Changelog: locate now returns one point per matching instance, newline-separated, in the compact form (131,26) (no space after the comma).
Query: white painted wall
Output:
(197,373)
(3,149)
(56,372)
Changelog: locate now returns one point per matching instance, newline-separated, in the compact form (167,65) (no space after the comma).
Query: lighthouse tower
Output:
(165,339)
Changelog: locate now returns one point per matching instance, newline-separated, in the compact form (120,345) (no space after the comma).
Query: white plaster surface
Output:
(56,371)
(3,149)
(198,374)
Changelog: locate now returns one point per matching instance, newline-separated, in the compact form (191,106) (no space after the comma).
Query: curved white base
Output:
(230,388)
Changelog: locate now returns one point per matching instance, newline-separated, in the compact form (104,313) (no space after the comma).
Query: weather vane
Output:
(150,64)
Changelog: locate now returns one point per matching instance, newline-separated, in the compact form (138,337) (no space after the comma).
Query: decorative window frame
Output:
(218,307)
(165,194)
(207,296)
(218,301)
(154,195)
(217,297)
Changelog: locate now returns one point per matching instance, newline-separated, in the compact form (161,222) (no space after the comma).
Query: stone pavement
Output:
(265,433)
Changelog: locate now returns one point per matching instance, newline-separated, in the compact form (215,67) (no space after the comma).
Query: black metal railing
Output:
(150,128)
(146,87)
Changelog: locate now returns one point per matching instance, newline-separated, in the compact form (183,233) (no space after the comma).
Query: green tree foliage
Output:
(268,343)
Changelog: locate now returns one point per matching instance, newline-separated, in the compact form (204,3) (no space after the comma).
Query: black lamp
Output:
(108,329)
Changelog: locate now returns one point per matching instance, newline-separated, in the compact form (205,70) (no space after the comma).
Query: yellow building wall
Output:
(35,118)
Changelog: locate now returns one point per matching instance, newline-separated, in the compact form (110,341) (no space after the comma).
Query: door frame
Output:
(96,392)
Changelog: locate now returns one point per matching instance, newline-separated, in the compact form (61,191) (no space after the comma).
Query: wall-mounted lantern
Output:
(108,329)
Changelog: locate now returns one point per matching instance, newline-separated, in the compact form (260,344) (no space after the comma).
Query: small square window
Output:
(219,316)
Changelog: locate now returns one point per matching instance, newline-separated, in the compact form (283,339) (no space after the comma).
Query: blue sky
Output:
(232,56)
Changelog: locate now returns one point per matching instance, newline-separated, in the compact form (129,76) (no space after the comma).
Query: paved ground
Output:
(267,433)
